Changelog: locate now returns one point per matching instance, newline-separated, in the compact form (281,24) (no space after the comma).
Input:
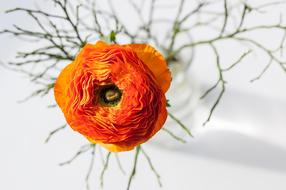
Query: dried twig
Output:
(81,150)
(133,172)
(119,163)
(220,81)
(152,167)
(180,124)
(90,168)
(105,166)
(174,136)
(52,133)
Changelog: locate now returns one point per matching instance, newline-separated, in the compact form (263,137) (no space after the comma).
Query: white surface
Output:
(222,156)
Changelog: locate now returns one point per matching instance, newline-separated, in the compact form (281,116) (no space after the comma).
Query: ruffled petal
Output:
(100,44)
(155,62)
(61,85)
(114,147)
(64,77)
(161,117)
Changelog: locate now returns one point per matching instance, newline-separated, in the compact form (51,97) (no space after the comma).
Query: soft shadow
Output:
(238,148)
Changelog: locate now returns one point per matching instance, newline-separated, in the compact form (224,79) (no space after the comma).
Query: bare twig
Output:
(81,150)
(180,124)
(239,60)
(152,167)
(133,172)
(119,163)
(105,166)
(174,136)
(90,168)
(52,133)
(263,71)
(226,16)
(220,81)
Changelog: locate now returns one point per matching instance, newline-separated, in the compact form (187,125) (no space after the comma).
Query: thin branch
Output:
(270,53)
(173,135)
(52,133)
(133,172)
(221,81)
(176,27)
(152,167)
(180,124)
(81,150)
(40,92)
(239,60)
(105,166)
(36,12)
(98,26)
(101,156)
(215,104)
(210,89)
(226,16)
(119,163)
(263,71)
(68,18)
(90,168)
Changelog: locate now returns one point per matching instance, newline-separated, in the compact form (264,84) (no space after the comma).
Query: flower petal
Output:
(155,62)
(64,77)
(100,44)
(61,85)
(161,117)
(113,147)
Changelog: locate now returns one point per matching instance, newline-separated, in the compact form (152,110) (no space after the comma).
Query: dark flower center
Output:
(110,95)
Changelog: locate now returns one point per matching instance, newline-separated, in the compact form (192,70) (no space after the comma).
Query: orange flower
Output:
(114,94)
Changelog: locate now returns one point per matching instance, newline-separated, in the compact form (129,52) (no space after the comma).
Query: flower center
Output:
(110,95)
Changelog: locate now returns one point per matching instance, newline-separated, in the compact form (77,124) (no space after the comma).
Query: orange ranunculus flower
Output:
(114,94)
